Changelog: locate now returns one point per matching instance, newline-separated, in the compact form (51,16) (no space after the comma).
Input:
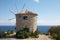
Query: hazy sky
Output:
(48,10)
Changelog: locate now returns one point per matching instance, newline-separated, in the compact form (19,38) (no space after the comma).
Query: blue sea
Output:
(41,29)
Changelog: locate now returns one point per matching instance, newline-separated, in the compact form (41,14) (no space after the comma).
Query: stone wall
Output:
(31,23)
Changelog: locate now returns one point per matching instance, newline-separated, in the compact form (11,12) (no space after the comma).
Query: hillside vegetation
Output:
(55,32)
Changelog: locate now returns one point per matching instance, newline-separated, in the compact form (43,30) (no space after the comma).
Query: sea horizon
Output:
(41,28)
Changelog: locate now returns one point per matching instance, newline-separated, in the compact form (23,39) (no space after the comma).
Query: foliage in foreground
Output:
(2,34)
(35,34)
(55,32)
(9,32)
(26,34)
(22,34)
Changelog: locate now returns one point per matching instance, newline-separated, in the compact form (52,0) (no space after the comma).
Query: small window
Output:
(25,17)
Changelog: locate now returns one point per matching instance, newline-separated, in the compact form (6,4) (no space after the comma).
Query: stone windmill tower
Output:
(26,20)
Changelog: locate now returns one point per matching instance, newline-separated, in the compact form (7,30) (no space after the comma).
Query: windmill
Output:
(26,20)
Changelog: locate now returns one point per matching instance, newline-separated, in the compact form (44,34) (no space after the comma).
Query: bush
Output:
(26,34)
(22,34)
(9,32)
(35,34)
(2,34)
(55,32)
(58,37)
(54,35)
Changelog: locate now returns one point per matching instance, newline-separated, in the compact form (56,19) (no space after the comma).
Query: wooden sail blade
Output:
(11,18)
(12,12)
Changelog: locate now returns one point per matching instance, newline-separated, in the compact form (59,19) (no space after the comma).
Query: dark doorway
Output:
(26,29)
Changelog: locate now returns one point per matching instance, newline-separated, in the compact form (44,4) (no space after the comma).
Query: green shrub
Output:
(54,35)
(9,32)
(26,34)
(2,34)
(22,34)
(58,37)
(55,32)
(35,34)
